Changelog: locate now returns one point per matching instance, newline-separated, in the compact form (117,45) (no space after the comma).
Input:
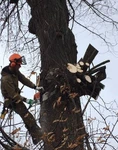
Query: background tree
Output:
(62,118)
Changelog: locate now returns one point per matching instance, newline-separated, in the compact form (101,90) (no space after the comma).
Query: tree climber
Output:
(11,93)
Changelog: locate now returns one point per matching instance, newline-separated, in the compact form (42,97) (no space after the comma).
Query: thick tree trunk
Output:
(61,117)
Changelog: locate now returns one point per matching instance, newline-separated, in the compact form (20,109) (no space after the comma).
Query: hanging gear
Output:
(5,108)
(4,112)
(30,101)
(16,59)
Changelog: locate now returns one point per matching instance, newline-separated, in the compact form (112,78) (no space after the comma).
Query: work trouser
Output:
(28,119)
(26,116)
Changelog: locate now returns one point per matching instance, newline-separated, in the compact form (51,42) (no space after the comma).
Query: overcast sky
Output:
(83,39)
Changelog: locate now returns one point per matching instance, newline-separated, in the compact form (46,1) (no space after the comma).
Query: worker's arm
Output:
(25,81)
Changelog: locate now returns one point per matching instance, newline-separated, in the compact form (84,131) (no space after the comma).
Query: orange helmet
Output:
(14,57)
(17,59)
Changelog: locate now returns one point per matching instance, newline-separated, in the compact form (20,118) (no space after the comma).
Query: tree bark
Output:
(61,118)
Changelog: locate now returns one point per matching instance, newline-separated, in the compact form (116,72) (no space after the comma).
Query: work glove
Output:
(39,88)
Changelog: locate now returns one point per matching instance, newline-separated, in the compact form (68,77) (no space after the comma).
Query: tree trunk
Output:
(61,118)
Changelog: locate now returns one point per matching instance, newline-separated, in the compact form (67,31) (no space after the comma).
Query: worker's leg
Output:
(29,121)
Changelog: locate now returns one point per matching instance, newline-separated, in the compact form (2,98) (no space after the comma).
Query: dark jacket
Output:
(9,84)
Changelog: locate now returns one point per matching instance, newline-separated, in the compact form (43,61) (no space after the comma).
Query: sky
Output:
(83,39)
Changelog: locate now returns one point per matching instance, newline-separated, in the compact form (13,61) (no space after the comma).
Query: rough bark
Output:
(62,124)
